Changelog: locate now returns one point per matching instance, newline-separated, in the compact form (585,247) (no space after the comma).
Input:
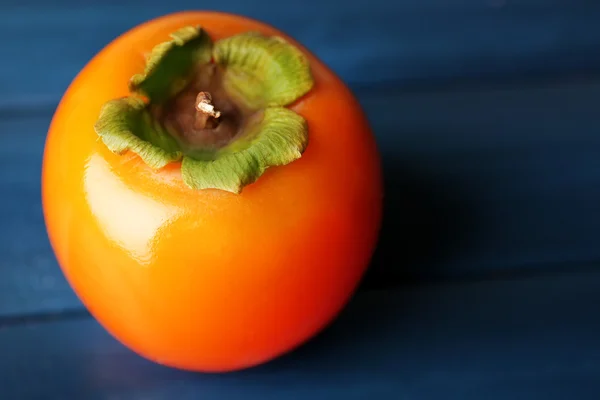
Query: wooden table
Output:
(485,283)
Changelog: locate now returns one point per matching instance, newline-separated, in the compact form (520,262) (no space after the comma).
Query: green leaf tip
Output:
(126,124)
(264,71)
(279,138)
(170,65)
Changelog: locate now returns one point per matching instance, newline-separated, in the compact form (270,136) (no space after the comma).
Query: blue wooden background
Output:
(485,282)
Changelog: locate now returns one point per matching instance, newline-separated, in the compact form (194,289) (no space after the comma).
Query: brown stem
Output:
(206,115)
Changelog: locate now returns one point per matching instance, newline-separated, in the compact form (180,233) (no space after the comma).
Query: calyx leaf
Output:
(264,71)
(126,124)
(278,138)
(170,65)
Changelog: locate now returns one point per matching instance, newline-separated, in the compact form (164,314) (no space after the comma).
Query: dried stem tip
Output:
(206,115)
(204,104)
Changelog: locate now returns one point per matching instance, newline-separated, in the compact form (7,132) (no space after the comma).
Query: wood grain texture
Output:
(482,182)
(376,42)
(478,182)
(517,339)
(29,278)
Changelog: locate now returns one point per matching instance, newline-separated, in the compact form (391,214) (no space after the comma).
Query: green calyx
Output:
(251,57)
(126,124)
(280,137)
(252,79)
(170,65)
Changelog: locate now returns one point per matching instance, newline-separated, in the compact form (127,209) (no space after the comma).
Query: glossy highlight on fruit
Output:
(219,274)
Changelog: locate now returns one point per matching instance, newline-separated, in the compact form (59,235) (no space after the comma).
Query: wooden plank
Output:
(29,277)
(487,180)
(517,339)
(367,43)
(479,182)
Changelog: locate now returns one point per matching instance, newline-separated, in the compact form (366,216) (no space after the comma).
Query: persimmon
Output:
(211,190)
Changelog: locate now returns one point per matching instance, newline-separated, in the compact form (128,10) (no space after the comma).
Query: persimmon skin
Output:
(208,280)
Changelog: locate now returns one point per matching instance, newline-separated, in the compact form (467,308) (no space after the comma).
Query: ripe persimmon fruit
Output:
(211,190)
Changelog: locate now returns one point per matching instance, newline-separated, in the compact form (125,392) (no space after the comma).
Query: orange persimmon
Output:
(252,247)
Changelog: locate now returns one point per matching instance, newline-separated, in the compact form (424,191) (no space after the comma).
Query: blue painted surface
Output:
(366,42)
(517,339)
(483,179)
